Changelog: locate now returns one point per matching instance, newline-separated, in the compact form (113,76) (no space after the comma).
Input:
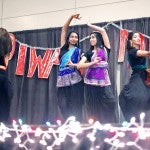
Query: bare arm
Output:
(78,65)
(103,32)
(84,64)
(65,27)
(143,53)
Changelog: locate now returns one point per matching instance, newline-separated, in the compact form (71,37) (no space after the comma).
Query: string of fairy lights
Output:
(52,136)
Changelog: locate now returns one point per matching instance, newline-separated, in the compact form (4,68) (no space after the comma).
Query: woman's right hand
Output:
(70,63)
(89,24)
(76,16)
(97,60)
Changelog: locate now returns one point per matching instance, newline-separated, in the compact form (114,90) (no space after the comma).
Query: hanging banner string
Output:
(42,48)
(39,48)
(115,25)
(83,39)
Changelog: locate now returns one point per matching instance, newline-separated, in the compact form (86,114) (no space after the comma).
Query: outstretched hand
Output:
(88,23)
(97,60)
(70,63)
(76,16)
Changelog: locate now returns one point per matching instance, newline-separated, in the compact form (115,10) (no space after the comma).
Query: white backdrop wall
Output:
(18,15)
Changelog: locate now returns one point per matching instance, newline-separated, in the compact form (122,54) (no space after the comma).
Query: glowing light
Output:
(14,122)
(125,123)
(20,121)
(91,121)
(116,142)
(52,136)
(49,148)
(48,123)
(142,115)
(133,119)
(43,142)
(75,140)
(97,146)
(58,122)
(91,137)
(31,141)
(17,140)
(121,134)
(38,132)
(48,136)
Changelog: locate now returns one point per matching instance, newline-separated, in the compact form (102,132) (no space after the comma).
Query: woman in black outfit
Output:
(135,96)
(5,85)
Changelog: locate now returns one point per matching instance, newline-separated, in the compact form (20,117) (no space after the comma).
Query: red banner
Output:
(142,45)
(123,38)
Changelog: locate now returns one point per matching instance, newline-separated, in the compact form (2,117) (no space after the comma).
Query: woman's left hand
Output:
(76,16)
(97,60)
(70,63)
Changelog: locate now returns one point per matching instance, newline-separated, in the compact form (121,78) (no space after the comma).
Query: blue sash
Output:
(69,55)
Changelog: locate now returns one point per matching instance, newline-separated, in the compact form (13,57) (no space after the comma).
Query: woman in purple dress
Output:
(99,98)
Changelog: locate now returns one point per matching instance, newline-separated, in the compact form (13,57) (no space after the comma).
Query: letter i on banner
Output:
(123,37)
(21,59)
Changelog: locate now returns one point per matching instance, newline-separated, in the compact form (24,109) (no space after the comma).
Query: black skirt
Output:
(135,97)
(71,100)
(100,103)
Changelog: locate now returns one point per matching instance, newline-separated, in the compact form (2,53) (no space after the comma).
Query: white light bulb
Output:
(142,115)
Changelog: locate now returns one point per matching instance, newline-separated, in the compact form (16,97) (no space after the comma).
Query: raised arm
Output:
(103,33)
(143,53)
(65,27)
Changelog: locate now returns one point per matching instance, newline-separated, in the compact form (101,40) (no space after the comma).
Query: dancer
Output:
(135,96)
(69,80)
(5,85)
(99,98)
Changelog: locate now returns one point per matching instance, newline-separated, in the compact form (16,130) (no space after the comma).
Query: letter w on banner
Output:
(44,65)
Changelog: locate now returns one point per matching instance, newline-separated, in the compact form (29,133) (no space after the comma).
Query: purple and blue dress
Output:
(70,85)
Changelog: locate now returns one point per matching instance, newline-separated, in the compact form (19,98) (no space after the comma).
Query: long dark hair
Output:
(100,41)
(5,44)
(65,47)
(130,36)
